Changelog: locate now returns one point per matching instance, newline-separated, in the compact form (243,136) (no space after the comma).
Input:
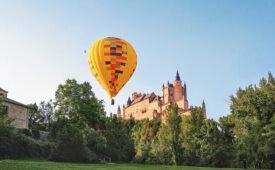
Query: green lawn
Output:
(39,164)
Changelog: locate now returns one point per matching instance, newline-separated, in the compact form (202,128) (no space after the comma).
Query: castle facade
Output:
(148,106)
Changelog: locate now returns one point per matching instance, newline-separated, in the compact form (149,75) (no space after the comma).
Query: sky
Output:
(217,46)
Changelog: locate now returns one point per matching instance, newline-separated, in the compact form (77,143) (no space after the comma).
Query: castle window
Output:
(143,110)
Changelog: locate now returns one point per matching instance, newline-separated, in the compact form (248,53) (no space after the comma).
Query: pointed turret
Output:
(129,102)
(177,76)
(123,113)
(203,109)
(163,85)
(118,112)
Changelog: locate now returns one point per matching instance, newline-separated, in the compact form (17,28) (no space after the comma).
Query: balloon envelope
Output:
(112,62)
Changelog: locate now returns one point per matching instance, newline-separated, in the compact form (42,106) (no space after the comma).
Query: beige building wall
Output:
(19,114)
(139,110)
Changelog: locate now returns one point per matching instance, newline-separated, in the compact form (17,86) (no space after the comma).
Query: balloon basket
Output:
(112,102)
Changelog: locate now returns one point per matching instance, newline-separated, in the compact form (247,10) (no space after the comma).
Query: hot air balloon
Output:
(112,62)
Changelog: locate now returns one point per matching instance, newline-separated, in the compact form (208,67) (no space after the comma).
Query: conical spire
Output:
(118,109)
(129,101)
(203,102)
(163,85)
(177,76)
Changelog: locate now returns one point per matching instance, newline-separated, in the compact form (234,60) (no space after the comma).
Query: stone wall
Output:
(19,114)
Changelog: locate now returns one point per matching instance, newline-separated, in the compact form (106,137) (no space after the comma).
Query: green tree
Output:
(120,144)
(78,103)
(166,147)
(252,110)
(46,110)
(213,147)
(71,144)
(191,136)
(143,134)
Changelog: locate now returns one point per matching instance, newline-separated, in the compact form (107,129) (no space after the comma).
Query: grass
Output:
(40,164)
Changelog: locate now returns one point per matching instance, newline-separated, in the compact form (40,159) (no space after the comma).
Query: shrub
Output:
(25,132)
(71,146)
(16,145)
(35,134)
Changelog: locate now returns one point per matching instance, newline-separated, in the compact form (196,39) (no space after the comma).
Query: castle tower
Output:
(203,109)
(168,93)
(118,112)
(134,96)
(123,112)
(178,92)
(184,89)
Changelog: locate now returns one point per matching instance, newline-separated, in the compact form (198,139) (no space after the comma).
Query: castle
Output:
(148,106)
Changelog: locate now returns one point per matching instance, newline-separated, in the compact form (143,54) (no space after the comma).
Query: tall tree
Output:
(191,136)
(76,102)
(166,146)
(46,110)
(252,110)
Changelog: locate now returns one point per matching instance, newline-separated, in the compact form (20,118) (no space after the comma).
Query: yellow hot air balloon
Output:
(112,62)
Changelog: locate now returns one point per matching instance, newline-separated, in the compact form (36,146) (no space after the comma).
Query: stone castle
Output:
(148,106)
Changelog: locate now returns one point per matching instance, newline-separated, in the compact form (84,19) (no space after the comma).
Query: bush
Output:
(25,132)
(16,145)
(35,134)
(71,146)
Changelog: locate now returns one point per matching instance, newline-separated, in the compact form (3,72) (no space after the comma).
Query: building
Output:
(15,110)
(148,106)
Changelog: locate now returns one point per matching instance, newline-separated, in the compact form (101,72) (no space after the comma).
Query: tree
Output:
(120,144)
(71,144)
(213,147)
(166,147)
(191,136)
(143,135)
(46,110)
(252,110)
(42,116)
(78,103)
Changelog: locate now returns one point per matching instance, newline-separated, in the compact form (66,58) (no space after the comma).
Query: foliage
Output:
(71,145)
(15,145)
(120,146)
(41,117)
(143,134)
(213,147)
(252,111)
(78,103)
(191,136)
(166,147)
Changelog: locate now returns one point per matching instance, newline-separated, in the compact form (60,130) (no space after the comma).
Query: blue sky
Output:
(217,46)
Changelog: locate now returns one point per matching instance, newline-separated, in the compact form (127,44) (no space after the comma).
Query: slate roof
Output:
(8,100)
(143,97)
(3,90)
(177,76)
